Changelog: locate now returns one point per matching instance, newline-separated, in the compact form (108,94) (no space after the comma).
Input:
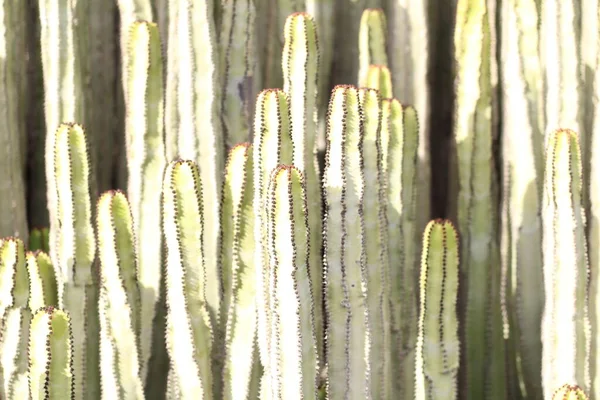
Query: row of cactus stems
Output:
(236,257)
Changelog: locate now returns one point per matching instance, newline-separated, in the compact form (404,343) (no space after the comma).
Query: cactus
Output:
(145,164)
(569,392)
(119,302)
(14,279)
(301,83)
(272,146)
(75,250)
(379,77)
(38,239)
(566,359)
(400,128)
(42,281)
(237,60)
(372,45)
(189,330)
(438,346)
(238,272)
(51,355)
(348,335)
(291,292)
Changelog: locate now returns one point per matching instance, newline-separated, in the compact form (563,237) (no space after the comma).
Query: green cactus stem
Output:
(38,239)
(76,250)
(193,128)
(239,283)
(237,60)
(438,346)
(14,279)
(400,128)
(119,302)
(348,337)
(42,281)
(51,356)
(379,77)
(292,305)
(301,83)
(372,47)
(14,339)
(272,146)
(565,322)
(189,326)
(146,163)
(376,229)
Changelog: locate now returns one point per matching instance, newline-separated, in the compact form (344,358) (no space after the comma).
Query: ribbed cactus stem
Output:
(301,83)
(13,210)
(14,278)
(272,146)
(193,128)
(292,305)
(76,249)
(483,366)
(42,281)
(237,61)
(376,229)
(63,90)
(565,322)
(51,356)
(371,42)
(348,337)
(522,154)
(189,327)
(119,305)
(569,392)
(38,239)
(400,127)
(146,163)
(379,77)
(14,339)
(239,276)
(438,346)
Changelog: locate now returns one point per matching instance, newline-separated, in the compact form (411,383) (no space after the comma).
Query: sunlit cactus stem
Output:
(301,83)
(379,77)
(438,346)
(189,325)
(51,356)
(292,305)
(146,162)
(371,42)
(565,322)
(42,281)
(348,336)
(75,250)
(14,278)
(119,303)
(376,229)
(569,392)
(239,276)
(272,146)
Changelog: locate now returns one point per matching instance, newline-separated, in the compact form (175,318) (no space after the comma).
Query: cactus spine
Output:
(51,355)
(119,303)
(292,306)
(239,272)
(301,83)
(272,146)
(189,326)
(193,127)
(376,229)
(145,164)
(76,249)
(565,322)
(438,346)
(237,60)
(348,336)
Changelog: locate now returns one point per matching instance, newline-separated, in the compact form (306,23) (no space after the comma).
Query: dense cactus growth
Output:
(264,227)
